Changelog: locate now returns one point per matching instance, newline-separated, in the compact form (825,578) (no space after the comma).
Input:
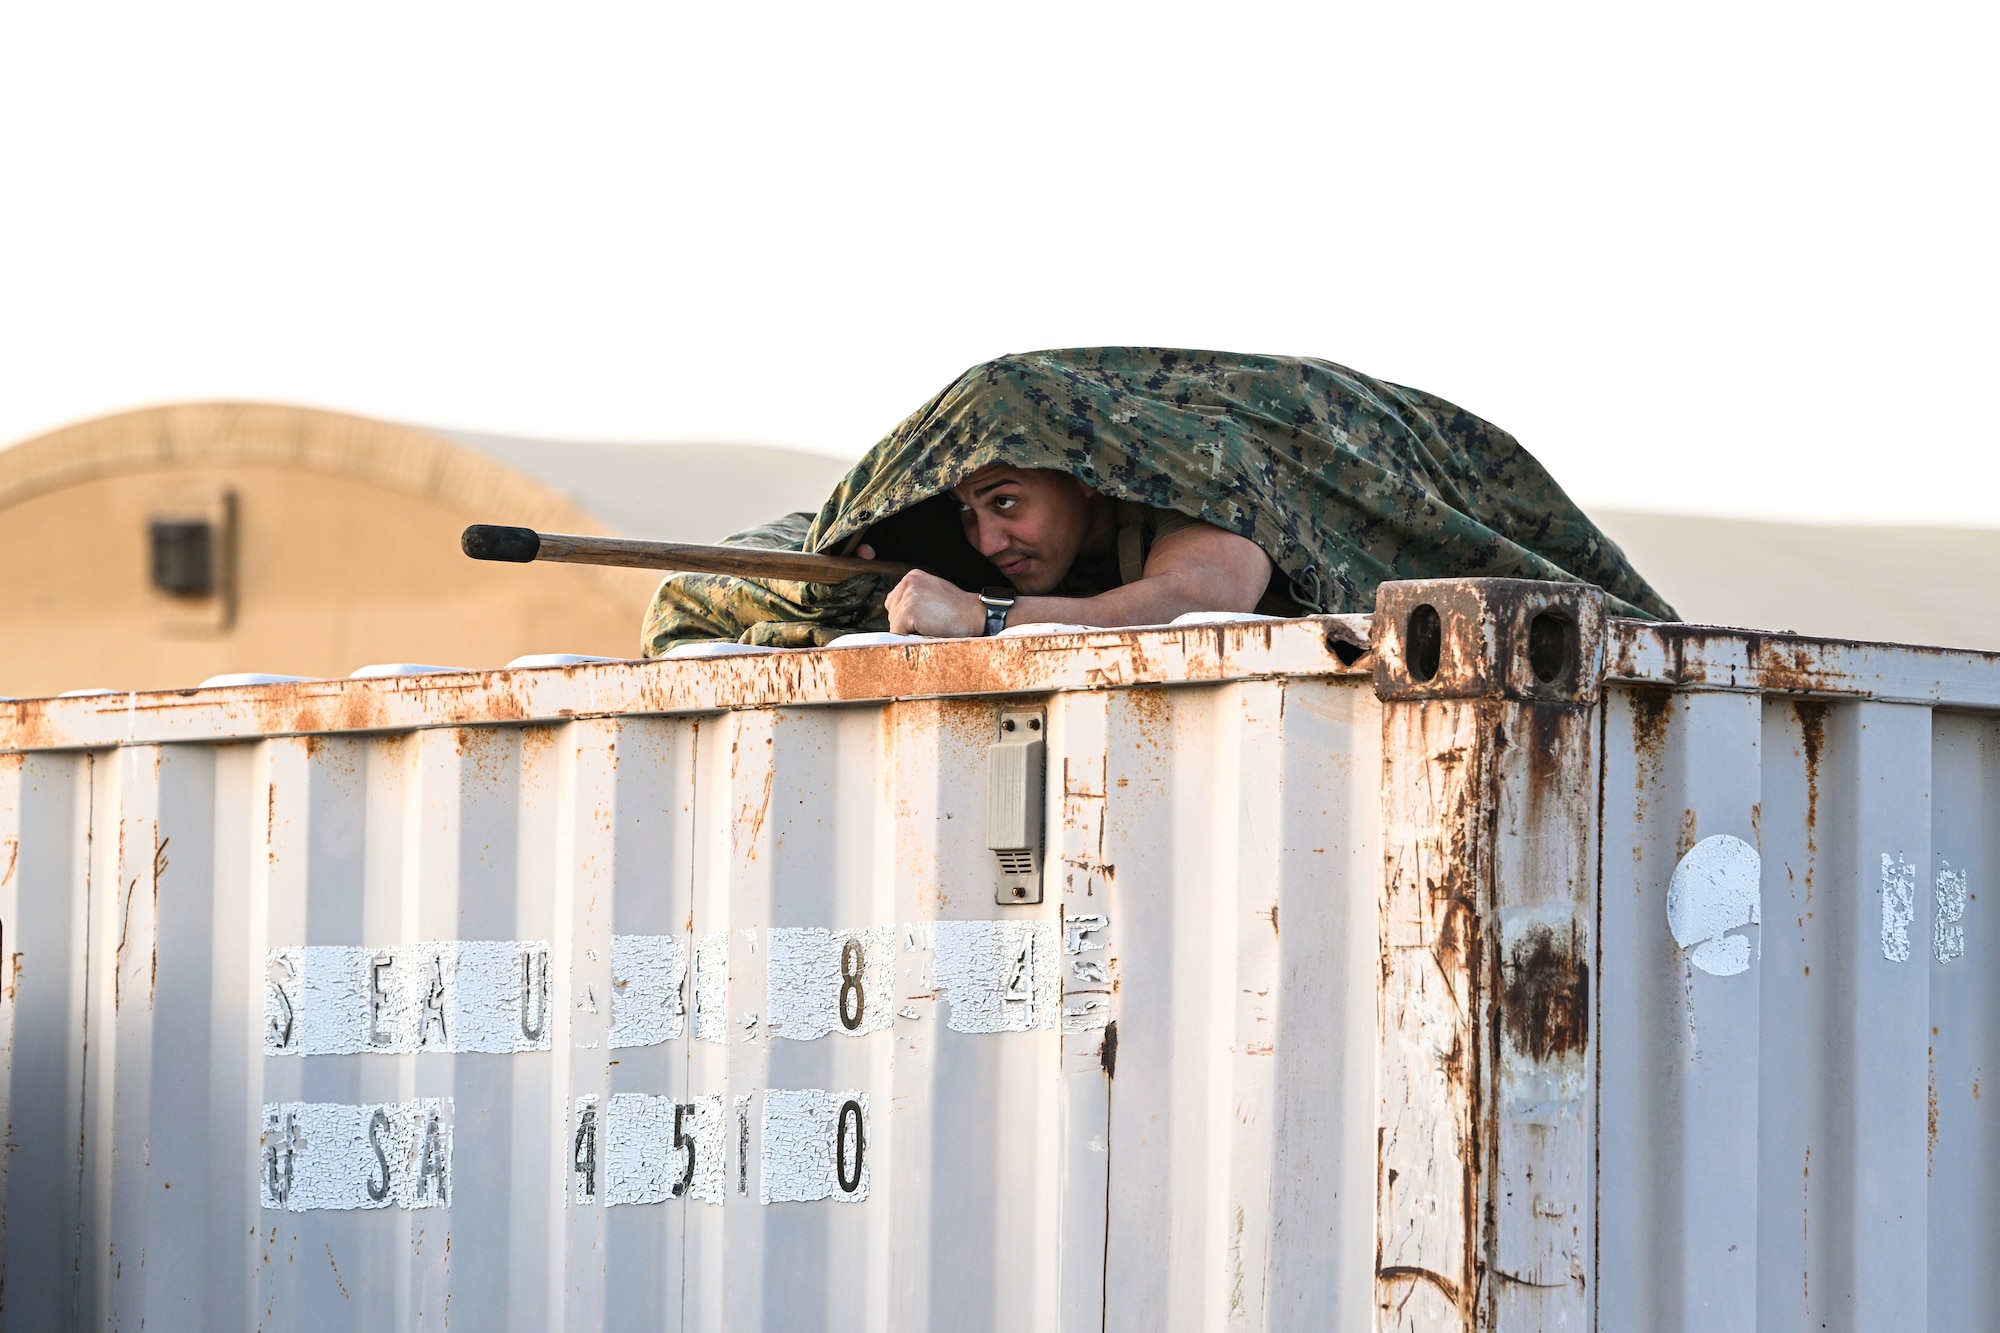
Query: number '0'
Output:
(846,1167)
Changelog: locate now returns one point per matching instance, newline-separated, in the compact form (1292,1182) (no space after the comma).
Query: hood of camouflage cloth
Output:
(1344,480)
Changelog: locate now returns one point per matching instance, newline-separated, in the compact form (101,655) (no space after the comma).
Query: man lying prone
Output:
(1130,485)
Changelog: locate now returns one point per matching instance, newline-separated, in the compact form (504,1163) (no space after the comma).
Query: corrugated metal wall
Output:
(220,948)
(351,1005)
(1794,1134)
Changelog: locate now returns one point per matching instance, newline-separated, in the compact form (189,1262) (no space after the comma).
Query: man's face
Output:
(1030,522)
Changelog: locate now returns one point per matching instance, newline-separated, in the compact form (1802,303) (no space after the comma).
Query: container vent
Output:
(1014,797)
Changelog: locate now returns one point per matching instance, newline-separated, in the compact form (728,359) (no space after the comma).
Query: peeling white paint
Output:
(1086,1013)
(647,974)
(1086,1010)
(284,982)
(1953,897)
(1716,889)
(439,995)
(656,1148)
(1000,976)
(810,1137)
(829,981)
(1078,929)
(315,1155)
(1899,907)
(711,987)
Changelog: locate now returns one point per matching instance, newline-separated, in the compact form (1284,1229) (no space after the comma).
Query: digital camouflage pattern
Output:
(1345,481)
(777,613)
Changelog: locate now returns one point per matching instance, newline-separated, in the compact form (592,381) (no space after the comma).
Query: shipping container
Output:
(1485,964)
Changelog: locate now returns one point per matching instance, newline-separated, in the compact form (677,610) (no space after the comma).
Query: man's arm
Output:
(1195,568)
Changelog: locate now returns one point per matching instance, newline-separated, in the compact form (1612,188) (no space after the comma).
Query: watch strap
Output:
(998,602)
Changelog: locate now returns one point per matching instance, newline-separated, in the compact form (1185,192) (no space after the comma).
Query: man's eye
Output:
(1005,502)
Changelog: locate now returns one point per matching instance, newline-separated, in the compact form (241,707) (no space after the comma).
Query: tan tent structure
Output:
(157,548)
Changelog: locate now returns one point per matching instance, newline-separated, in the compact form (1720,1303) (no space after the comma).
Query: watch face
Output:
(998,596)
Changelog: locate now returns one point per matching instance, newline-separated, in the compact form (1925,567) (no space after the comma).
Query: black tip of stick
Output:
(485,541)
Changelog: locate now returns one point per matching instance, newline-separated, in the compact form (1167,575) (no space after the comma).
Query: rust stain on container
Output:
(1930,1155)
(159,869)
(1545,992)
(1690,824)
(1407,1273)
(1788,665)
(28,727)
(1812,734)
(124,938)
(336,1274)
(1152,715)
(1429,993)
(1652,711)
(1546,755)
(489,751)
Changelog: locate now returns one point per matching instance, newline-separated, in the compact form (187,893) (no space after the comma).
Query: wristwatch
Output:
(998,602)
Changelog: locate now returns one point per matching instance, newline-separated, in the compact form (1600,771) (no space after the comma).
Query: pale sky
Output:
(1730,259)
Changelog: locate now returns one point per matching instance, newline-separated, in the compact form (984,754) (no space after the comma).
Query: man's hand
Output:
(926,604)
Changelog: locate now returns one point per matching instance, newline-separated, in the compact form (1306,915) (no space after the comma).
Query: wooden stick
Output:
(484,541)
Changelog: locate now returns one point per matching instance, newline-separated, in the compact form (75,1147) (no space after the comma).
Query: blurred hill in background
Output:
(154,549)
(1931,586)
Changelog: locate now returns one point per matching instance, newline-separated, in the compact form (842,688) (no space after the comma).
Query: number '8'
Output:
(852,959)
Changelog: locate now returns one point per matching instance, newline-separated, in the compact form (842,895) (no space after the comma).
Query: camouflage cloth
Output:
(1345,481)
